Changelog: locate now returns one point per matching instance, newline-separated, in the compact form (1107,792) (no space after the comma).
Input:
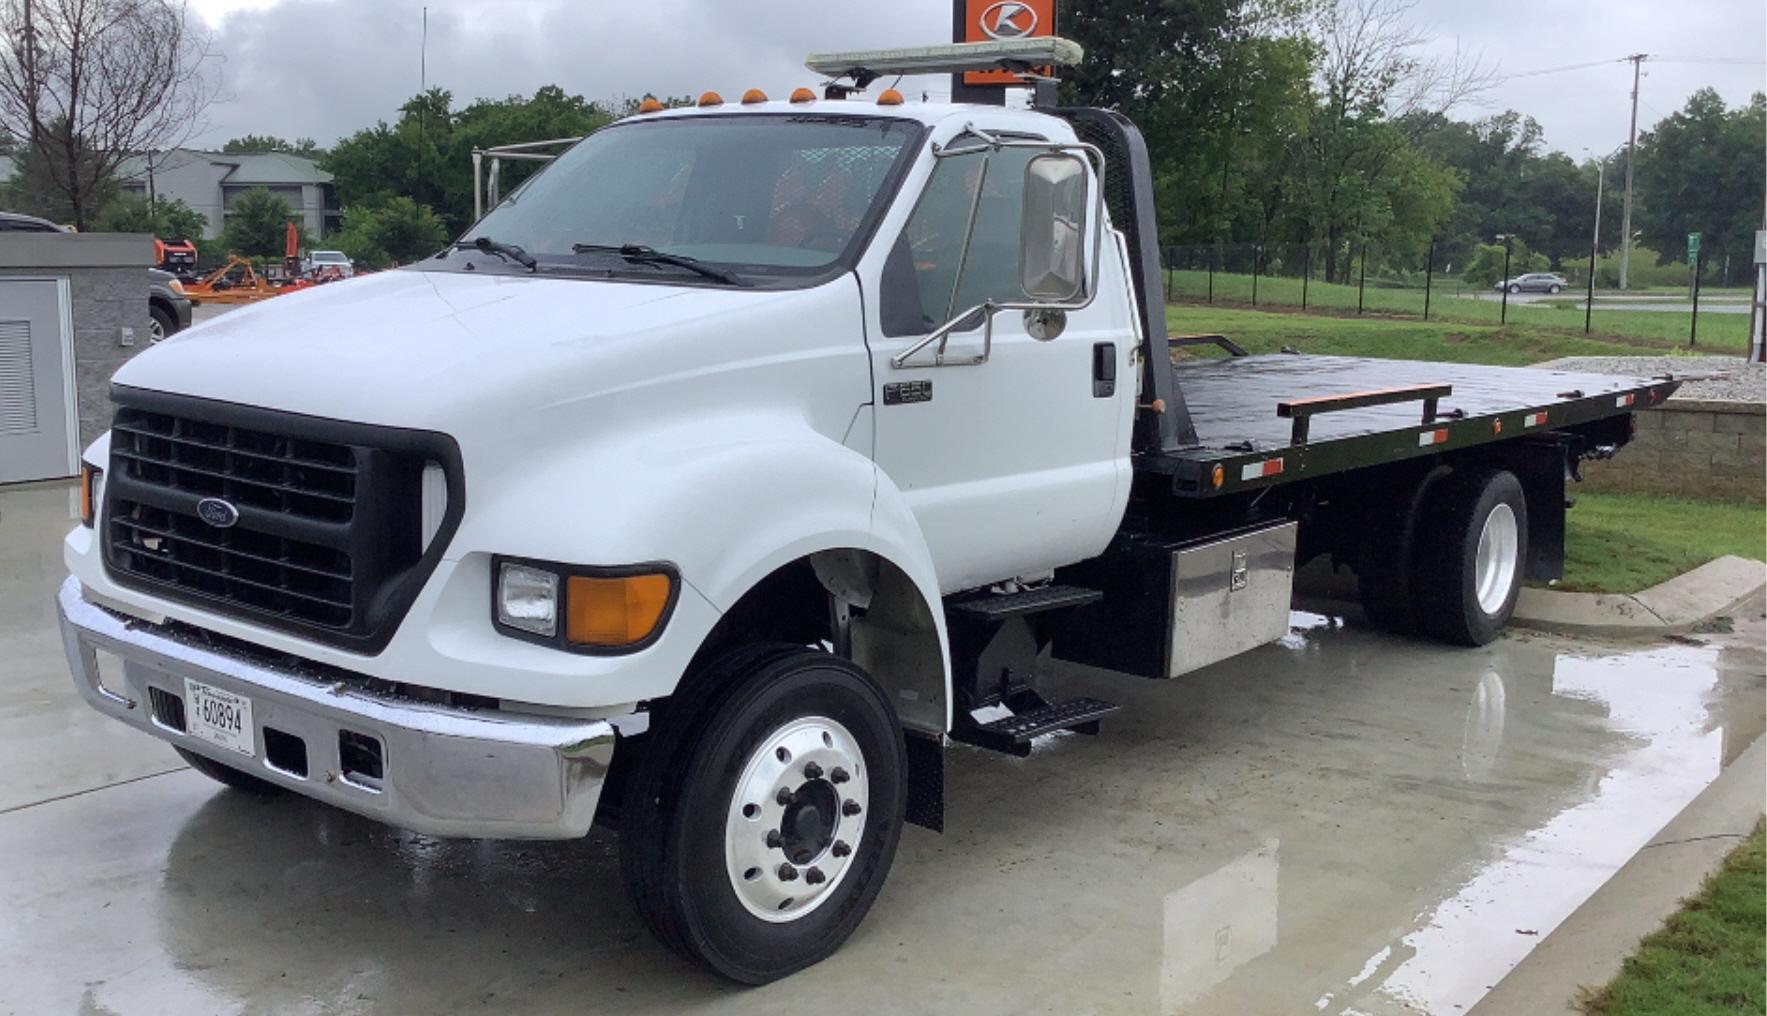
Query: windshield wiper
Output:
(506,251)
(638,253)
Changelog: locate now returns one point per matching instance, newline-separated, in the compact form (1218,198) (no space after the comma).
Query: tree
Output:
(1372,83)
(427,154)
(399,230)
(1699,170)
(1486,266)
(167,219)
(85,83)
(306,148)
(257,225)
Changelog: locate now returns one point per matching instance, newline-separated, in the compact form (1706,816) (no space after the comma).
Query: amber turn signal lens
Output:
(615,612)
(88,494)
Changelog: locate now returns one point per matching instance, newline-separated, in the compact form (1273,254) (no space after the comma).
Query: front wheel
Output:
(227,775)
(1471,556)
(763,817)
(1513,288)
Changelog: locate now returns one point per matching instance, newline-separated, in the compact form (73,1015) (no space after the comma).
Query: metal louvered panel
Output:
(18,383)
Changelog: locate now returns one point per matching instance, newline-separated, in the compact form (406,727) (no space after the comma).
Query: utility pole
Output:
(1631,144)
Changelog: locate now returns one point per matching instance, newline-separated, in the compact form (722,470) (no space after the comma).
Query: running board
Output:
(1013,734)
(997,607)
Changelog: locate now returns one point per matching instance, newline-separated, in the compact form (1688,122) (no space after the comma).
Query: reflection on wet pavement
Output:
(1340,823)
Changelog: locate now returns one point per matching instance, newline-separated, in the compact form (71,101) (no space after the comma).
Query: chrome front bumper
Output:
(444,771)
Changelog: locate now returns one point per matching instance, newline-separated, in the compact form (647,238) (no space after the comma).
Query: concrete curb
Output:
(1685,602)
(1586,950)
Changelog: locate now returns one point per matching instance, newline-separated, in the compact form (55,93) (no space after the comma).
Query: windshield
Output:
(757,195)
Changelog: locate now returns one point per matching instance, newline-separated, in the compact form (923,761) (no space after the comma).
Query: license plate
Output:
(218,717)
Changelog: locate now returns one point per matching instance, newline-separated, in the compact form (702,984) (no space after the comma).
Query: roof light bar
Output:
(865,66)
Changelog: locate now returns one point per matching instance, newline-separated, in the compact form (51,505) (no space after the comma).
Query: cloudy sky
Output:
(325,68)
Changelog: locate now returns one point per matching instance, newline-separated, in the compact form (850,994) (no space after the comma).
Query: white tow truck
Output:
(735,465)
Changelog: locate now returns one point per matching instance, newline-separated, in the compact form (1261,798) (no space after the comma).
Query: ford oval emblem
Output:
(216,512)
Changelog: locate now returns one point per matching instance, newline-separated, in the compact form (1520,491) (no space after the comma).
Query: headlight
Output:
(527,599)
(604,610)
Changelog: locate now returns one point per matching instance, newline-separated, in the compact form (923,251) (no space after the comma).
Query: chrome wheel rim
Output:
(155,330)
(1499,548)
(796,819)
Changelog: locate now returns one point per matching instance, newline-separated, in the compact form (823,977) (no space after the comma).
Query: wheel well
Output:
(859,605)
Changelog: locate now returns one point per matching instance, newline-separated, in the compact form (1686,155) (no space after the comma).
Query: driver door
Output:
(1019,464)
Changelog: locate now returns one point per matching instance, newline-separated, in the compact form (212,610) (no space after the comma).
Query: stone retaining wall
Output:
(1692,448)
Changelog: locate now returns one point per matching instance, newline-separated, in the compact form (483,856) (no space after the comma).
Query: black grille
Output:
(327,538)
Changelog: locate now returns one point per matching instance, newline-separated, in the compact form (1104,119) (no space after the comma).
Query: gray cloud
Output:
(325,68)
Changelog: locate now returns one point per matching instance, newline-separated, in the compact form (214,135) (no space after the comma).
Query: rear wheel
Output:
(762,819)
(227,774)
(1472,544)
(1553,289)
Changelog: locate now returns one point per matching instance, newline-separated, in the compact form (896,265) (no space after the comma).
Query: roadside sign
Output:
(1693,247)
(992,20)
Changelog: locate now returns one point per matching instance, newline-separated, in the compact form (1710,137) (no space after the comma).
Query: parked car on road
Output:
(1535,282)
(168,308)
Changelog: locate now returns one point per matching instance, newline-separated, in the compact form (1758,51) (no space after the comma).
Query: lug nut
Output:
(840,848)
(812,771)
(839,775)
(850,807)
(814,877)
(787,873)
(785,797)
(774,839)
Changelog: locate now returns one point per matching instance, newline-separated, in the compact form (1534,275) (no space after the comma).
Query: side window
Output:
(921,287)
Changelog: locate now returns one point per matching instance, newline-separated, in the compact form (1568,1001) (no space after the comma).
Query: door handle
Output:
(1104,370)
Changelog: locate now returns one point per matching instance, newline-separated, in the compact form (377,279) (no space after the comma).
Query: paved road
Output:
(1659,304)
(1342,822)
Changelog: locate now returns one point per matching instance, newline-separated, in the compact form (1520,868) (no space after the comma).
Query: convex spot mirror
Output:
(1052,234)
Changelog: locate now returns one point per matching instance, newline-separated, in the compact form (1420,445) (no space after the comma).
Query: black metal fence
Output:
(1432,284)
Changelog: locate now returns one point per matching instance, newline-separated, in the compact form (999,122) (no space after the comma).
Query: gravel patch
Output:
(1739,381)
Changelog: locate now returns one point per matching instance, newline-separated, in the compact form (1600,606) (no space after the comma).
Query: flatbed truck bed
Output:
(1278,418)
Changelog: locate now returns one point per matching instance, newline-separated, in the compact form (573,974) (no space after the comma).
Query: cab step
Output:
(1013,734)
(1003,606)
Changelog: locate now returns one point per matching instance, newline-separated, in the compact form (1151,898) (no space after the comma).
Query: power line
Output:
(1561,70)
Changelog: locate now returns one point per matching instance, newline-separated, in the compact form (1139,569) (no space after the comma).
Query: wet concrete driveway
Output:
(1341,823)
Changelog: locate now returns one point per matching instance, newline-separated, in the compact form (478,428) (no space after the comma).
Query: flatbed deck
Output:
(1233,403)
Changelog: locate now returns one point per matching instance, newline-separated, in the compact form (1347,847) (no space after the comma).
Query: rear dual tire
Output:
(706,827)
(1463,574)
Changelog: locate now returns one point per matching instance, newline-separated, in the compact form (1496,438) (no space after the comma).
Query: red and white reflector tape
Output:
(1625,400)
(1432,437)
(1259,470)
(1534,420)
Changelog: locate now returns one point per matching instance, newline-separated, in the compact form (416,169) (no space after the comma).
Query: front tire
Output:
(227,775)
(1472,550)
(161,325)
(1513,288)
(762,819)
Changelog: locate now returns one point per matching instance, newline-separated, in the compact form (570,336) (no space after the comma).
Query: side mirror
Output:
(1052,231)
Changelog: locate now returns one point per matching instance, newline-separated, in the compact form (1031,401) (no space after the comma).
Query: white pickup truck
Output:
(737,464)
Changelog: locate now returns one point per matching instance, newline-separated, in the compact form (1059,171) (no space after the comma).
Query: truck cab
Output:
(708,487)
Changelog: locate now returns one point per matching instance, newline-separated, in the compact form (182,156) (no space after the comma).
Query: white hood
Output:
(411,348)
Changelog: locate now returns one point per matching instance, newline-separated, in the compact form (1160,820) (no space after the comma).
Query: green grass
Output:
(1709,958)
(1389,338)
(1718,332)
(1622,543)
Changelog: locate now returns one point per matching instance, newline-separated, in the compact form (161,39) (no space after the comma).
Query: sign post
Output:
(1758,303)
(1693,261)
